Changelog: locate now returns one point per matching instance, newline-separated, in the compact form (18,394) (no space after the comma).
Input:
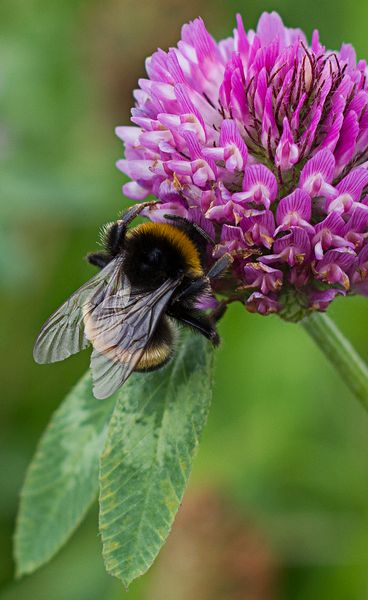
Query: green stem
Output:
(340,353)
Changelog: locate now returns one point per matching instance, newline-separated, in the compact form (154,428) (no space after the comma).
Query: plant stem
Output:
(340,353)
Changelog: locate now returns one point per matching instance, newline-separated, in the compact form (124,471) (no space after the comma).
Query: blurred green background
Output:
(286,446)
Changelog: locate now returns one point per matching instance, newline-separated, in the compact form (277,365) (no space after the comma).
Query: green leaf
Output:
(62,480)
(147,459)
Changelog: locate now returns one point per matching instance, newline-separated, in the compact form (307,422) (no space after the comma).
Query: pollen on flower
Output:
(262,139)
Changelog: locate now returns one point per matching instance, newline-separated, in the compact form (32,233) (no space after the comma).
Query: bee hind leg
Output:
(219,311)
(198,322)
(191,292)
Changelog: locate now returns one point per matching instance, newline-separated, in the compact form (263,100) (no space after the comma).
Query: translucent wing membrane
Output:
(63,333)
(120,328)
(105,312)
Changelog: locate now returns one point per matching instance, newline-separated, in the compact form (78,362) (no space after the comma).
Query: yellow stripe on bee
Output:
(180,240)
(154,357)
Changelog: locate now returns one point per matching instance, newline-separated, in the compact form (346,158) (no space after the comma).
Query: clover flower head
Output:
(262,139)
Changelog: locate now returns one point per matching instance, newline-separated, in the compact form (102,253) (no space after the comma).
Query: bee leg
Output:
(116,233)
(218,312)
(132,212)
(193,290)
(220,266)
(115,237)
(99,259)
(200,323)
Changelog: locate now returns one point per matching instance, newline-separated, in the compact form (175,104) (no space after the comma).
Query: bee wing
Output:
(120,329)
(63,333)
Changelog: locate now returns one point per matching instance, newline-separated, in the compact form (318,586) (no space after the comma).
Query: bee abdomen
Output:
(160,348)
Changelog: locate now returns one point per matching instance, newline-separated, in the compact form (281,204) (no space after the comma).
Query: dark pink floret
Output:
(263,138)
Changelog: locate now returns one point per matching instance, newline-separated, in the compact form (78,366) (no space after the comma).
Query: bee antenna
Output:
(133,211)
(187,223)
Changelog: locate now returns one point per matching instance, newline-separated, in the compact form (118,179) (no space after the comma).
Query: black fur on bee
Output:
(152,276)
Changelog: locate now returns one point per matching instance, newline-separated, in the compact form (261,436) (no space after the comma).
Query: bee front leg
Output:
(131,213)
(99,259)
(117,231)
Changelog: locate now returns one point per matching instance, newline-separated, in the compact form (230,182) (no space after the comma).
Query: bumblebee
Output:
(151,278)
